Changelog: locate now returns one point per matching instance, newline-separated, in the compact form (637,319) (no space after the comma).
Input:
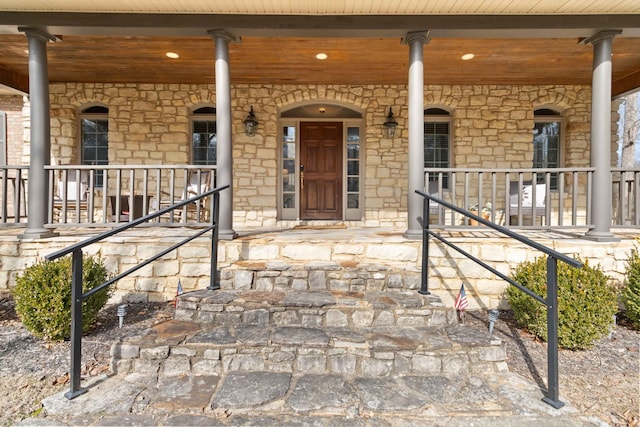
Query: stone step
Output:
(175,348)
(346,276)
(313,308)
(282,399)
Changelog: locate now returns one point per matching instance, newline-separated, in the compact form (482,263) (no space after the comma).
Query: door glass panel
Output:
(353,168)
(288,167)
(353,201)
(352,184)
(288,176)
(288,201)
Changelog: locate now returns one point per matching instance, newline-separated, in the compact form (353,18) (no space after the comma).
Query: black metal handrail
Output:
(77,296)
(551,302)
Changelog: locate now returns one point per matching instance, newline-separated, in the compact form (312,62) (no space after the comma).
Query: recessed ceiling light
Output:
(322,56)
(467,56)
(172,55)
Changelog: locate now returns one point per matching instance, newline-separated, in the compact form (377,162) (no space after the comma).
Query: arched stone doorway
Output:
(321,158)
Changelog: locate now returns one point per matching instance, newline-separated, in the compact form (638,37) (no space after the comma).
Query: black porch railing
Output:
(551,302)
(77,296)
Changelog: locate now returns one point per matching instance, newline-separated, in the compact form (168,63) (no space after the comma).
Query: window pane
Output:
(88,126)
(90,139)
(353,201)
(353,151)
(204,142)
(289,150)
(289,134)
(353,184)
(102,126)
(353,167)
(102,154)
(288,201)
(353,134)
(289,175)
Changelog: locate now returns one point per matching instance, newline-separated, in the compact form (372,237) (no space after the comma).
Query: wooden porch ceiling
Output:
(292,60)
(131,48)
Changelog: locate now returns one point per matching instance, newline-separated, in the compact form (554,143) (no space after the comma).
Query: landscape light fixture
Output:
(122,311)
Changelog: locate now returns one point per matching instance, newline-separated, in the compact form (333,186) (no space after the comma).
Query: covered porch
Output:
(394,72)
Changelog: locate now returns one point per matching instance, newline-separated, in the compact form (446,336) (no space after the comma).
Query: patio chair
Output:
(75,193)
(432,190)
(198,182)
(524,204)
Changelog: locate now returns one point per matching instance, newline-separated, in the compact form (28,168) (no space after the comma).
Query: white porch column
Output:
(416,41)
(601,135)
(224,155)
(40,147)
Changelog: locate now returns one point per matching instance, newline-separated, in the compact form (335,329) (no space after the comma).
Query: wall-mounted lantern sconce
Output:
(250,124)
(390,125)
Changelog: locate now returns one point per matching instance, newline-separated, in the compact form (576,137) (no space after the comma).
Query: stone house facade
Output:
(150,124)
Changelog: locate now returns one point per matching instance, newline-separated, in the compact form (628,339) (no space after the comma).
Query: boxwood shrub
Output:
(586,302)
(631,291)
(43,296)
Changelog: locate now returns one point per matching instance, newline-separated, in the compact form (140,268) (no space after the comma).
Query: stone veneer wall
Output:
(149,124)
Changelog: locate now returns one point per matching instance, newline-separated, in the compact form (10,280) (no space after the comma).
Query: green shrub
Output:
(43,297)
(586,302)
(631,291)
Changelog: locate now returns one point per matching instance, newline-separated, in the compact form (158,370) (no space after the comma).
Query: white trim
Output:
(290,214)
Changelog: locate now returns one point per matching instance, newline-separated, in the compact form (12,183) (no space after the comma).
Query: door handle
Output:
(301,177)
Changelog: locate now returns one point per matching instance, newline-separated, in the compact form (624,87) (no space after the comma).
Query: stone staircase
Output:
(312,344)
(329,343)
(312,318)
(372,334)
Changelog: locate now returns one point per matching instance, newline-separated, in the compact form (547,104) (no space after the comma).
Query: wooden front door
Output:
(321,170)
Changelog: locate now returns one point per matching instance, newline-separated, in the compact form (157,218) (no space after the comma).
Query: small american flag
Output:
(461,300)
(178,293)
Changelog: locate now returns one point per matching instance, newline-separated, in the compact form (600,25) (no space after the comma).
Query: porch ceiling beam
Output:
(476,26)
(16,81)
(628,83)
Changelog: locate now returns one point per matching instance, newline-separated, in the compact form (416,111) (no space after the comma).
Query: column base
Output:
(600,236)
(413,234)
(37,233)
(227,234)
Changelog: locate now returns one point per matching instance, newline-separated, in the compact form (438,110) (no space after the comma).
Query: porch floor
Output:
(326,232)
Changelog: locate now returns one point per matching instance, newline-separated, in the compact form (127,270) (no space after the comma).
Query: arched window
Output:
(203,136)
(547,137)
(437,142)
(94,137)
